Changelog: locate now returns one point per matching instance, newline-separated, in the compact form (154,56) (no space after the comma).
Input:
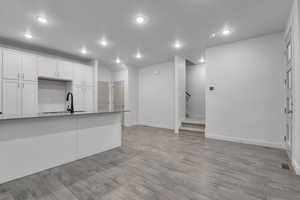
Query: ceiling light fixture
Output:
(140,20)
(118,61)
(177,44)
(213,35)
(202,60)
(28,35)
(103,42)
(42,20)
(138,55)
(226,31)
(83,51)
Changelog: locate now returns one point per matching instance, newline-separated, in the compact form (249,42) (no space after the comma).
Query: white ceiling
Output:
(77,23)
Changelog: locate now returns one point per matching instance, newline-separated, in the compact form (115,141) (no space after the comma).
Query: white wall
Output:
(156,95)
(293,22)
(131,118)
(248,100)
(196,85)
(52,95)
(180,88)
(104,74)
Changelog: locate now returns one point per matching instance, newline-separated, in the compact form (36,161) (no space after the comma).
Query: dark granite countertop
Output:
(57,114)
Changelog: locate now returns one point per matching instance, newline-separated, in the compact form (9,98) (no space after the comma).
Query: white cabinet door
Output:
(79,74)
(29,98)
(65,70)
(78,98)
(47,67)
(89,98)
(29,67)
(89,75)
(11,97)
(12,61)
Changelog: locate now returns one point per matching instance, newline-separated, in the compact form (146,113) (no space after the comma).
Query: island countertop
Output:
(4,117)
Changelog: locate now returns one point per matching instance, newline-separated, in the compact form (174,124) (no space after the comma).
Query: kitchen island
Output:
(32,143)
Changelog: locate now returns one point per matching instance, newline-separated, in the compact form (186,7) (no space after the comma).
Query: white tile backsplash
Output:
(52,95)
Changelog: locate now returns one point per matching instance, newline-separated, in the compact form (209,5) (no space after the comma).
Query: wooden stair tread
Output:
(193,122)
(191,129)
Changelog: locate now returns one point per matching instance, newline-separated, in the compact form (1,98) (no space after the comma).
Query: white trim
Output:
(245,141)
(296,167)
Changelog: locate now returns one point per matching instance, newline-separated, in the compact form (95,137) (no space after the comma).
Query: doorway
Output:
(289,107)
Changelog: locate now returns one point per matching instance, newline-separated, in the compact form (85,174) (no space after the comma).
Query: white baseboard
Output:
(296,167)
(245,141)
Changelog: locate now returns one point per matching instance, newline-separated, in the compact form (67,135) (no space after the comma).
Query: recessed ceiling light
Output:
(118,61)
(177,44)
(138,55)
(140,20)
(226,31)
(42,20)
(202,60)
(213,35)
(28,35)
(83,51)
(103,42)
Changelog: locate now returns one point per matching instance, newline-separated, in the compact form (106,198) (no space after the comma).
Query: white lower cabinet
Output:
(19,98)
(11,97)
(29,97)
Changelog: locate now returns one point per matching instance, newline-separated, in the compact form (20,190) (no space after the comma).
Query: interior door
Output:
(103,95)
(118,95)
(289,109)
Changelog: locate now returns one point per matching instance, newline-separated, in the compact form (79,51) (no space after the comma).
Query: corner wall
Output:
(248,101)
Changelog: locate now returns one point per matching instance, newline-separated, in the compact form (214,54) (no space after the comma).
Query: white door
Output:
(29,67)
(118,95)
(65,70)
(78,98)
(29,98)
(289,109)
(12,61)
(47,67)
(11,97)
(89,98)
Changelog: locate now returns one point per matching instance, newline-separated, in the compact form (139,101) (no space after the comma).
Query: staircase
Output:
(192,127)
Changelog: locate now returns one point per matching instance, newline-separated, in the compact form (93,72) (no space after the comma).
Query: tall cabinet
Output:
(20,73)
(19,78)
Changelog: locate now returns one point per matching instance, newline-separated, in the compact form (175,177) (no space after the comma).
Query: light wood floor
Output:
(156,164)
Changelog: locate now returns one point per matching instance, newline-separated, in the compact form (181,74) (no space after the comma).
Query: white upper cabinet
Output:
(12,62)
(65,70)
(29,67)
(83,75)
(47,67)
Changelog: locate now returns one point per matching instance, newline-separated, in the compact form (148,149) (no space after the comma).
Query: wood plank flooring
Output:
(156,164)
